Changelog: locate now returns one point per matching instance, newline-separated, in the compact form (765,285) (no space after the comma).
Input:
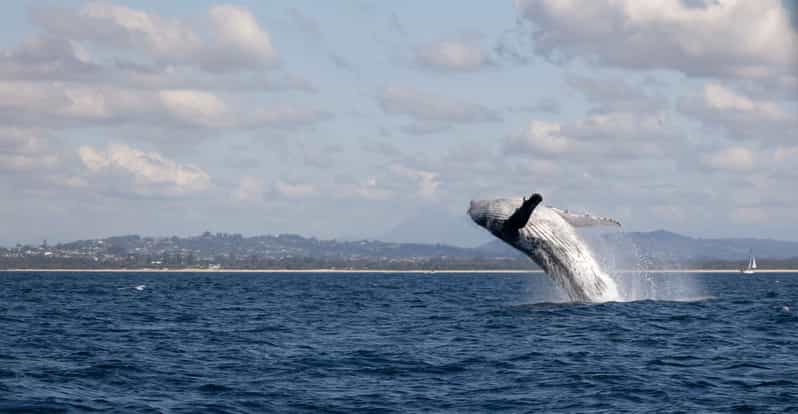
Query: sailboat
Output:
(751,268)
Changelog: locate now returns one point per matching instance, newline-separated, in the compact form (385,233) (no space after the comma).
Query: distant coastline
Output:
(295,253)
(422,271)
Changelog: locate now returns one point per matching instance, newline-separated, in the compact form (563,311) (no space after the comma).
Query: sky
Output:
(357,119)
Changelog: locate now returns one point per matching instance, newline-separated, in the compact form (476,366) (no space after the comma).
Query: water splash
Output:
(550,238)
(133,287)
(557,247)
(630,269)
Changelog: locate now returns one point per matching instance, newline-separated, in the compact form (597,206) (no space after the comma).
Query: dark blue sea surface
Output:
(349,343)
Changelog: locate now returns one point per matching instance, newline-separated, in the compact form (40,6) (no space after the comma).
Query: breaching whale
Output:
(548,237)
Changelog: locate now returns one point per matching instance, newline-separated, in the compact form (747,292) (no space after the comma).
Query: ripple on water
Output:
(390,343)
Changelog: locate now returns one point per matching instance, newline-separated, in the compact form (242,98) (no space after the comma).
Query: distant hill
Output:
(234,251)
(664,247)
(657,249)
(438,226)
(273,246)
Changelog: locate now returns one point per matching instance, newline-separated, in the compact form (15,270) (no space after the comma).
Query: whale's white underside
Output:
(550,240)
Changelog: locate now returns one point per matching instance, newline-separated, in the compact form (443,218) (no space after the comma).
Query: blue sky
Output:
(366,119)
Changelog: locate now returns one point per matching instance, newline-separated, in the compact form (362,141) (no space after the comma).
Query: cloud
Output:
(249,189)
(237,41)
(454,55)
(371,190)
(152,173)
(44,104)
(423,106)
(25,151)
(21,141)
(425,128)
(368,188)
(286,116)
(544,105)
(427,182)
(194,107)
(783,162)
(736,159)
(39,101)
(119,26)
(294,190)
(786,154)
(136,76)
(608,135)
(398,181)
(749,215)
(230,40)
(321,157)
(615,95)
(625,128)
(741,116)
(741,39)
(48,58)
(381,148)
(542,137)
(669,212)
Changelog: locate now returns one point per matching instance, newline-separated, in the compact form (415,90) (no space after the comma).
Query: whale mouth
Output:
(478,212)
(486,212)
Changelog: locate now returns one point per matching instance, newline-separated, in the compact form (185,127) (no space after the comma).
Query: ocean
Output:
(397,342)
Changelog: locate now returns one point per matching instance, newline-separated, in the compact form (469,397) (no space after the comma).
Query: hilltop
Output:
(657,249)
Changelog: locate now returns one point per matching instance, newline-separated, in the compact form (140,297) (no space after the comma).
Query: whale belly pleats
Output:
(550,241)
(566,258)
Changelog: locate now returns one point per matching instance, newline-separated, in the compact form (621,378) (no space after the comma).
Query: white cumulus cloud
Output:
(294,190)
(740,38)
(48,104)
(730,159)
(427,182)
(152,173)
(544,137)
(457,55)
(605,135)
(742,116)
(25,150)
(230,40)
(249,189)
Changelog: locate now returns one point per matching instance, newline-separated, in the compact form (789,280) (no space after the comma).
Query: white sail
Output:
(750,269)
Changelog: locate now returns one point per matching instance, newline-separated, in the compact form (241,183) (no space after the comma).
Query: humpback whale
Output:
(548,237)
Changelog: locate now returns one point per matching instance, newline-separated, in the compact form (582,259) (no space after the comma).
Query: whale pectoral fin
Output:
(585,220)
(520,217)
